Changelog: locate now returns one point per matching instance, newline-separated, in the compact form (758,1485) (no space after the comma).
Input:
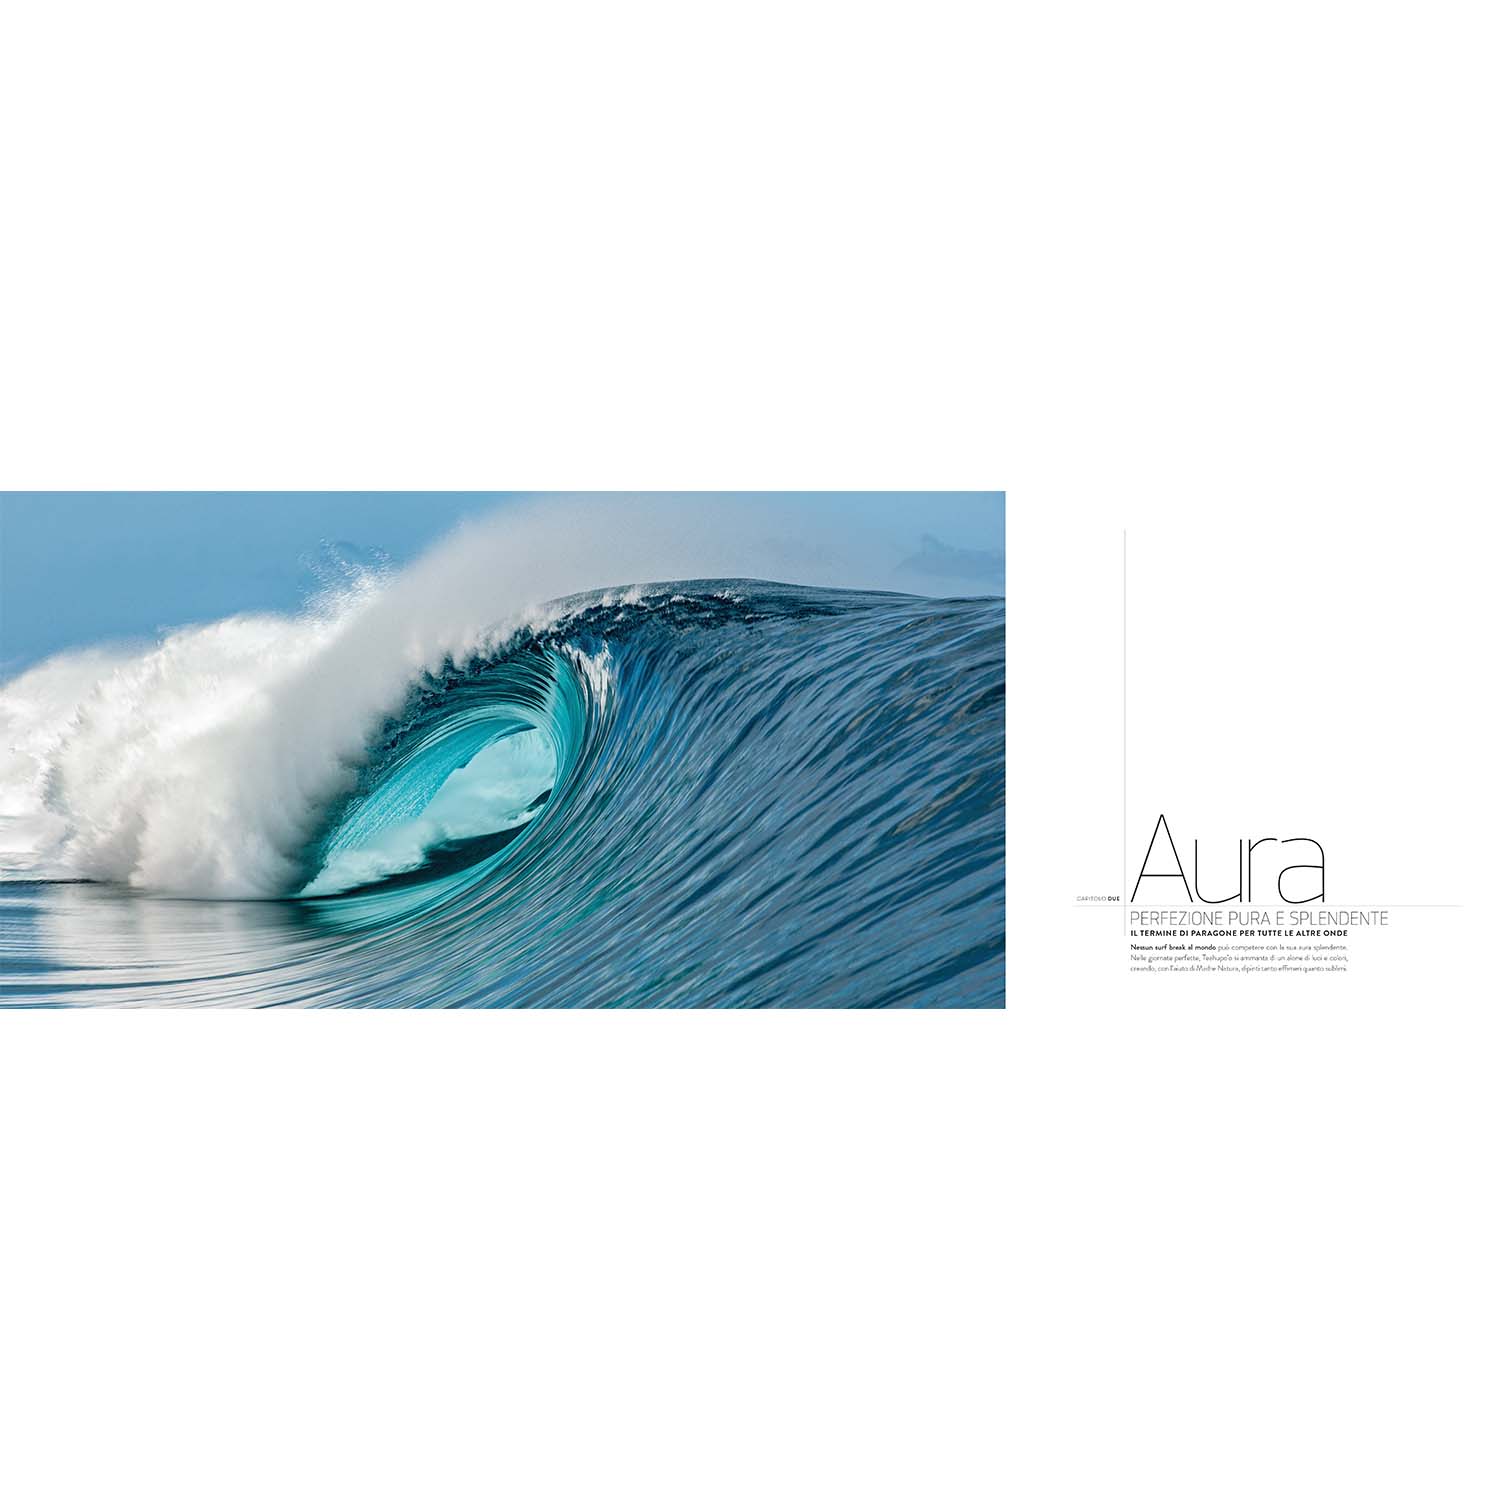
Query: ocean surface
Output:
(718,792)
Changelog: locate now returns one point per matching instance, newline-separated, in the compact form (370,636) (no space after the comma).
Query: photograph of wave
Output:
(572,751)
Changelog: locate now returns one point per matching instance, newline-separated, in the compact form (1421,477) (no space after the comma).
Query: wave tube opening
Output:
(464,774)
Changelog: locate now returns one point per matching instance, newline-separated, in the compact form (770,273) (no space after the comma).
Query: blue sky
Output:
(76,569)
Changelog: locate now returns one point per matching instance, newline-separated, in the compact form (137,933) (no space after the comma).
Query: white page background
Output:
(1222,279)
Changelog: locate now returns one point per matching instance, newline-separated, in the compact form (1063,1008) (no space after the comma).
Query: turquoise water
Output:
(730,794)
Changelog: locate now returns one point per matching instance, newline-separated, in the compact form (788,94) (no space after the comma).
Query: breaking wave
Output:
(710,792)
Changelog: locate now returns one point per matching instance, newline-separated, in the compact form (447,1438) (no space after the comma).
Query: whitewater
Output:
(556,761)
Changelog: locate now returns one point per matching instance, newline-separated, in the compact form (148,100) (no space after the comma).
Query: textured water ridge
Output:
(722,793)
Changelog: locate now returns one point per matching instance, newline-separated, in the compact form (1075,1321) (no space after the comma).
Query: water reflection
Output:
(61,943)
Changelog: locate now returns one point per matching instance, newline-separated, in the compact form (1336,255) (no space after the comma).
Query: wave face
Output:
(715,793)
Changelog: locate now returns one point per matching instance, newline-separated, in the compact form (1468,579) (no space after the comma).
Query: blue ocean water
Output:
(716,793)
